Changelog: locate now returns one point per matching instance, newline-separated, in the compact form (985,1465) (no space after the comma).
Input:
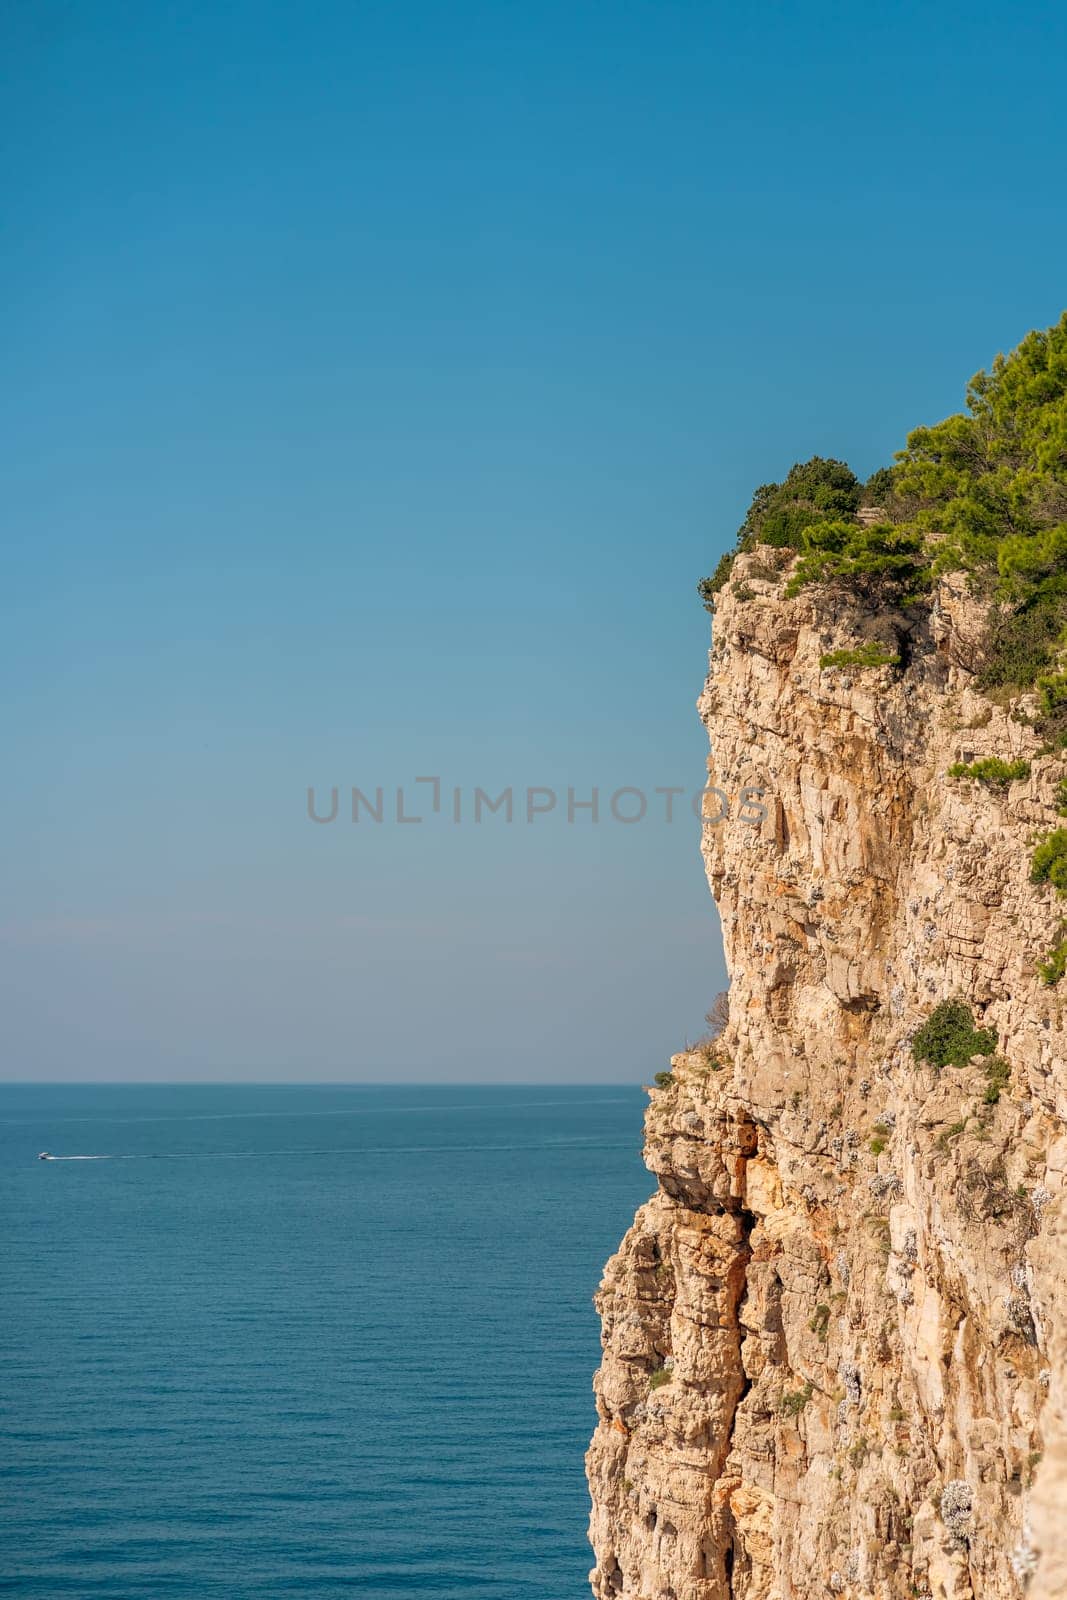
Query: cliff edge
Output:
(834,1339)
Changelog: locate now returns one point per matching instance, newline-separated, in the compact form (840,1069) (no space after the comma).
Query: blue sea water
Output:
(313,1341)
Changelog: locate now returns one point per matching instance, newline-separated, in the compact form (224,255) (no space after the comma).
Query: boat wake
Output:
(566,1141)
(46,1155)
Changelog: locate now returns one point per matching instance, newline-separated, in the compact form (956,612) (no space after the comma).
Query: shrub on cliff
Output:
(988,491)
(792,1404)
(880,487)
(717,1015)
(865,655)
(998,1076)
(880,565)
(984,491)
(991,770)
(1052,688)
(1020,643)
(1049,861)
(990,487)
(1053,967)
(812,491)
(949,1037)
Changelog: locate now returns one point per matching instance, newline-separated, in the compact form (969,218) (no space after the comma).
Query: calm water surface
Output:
(315,1341)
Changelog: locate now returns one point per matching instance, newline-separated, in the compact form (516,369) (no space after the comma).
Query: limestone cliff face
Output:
(835,1339)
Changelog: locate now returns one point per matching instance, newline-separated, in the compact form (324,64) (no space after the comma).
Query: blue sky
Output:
(380,379)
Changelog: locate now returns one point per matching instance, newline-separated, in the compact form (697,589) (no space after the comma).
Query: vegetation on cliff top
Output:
(813,492)
(880,565)
(984,492)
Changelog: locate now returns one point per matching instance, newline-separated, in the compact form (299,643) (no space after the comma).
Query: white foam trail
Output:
(373,1150)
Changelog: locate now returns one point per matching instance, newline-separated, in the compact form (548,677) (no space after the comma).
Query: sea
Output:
(320,1341)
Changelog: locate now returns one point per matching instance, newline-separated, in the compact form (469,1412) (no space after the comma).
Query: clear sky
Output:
(380,379)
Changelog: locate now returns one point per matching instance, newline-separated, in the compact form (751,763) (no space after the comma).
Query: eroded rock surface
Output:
(834,1347)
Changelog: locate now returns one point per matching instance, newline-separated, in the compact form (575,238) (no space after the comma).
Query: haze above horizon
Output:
(381,380)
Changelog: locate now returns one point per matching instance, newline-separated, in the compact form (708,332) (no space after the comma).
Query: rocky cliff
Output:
(834,1339)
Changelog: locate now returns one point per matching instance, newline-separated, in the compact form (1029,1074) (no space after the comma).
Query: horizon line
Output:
(340,1083)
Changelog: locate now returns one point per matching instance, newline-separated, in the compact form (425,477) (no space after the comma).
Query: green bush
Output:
(1049,861)
(657,1379)
(988,485)
(880,566)
(1053,691)
(984,491)
(864,655)
(708,588)
(991,770)
(998,1075)
(1052,969)
(791,1405)
(949,1037)
(663,1080)
(812,491)
(879,488)
(988,490)
(1020,642)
